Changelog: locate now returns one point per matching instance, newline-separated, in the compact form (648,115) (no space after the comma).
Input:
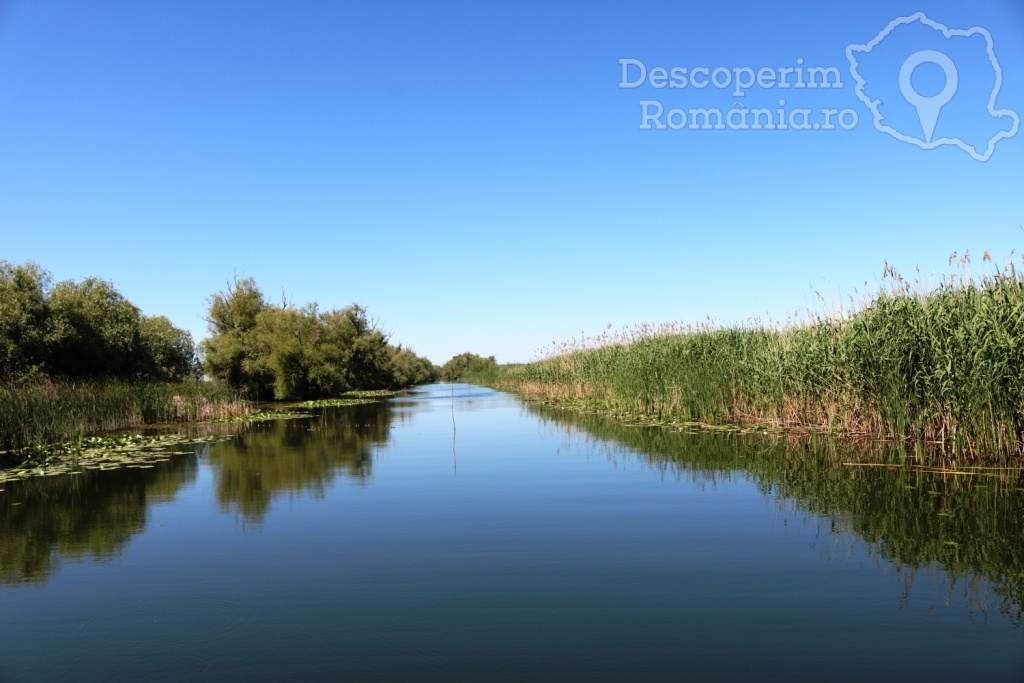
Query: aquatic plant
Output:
(938,368)
(101,452)
(44,412)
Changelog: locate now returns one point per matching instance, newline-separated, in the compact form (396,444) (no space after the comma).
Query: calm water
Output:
(377,543)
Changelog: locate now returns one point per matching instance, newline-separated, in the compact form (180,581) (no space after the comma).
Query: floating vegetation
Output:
(100,452)
(638,419)
(336,402)
(41,412)
(262,415)
(350,398)
(375,393)
(138,451)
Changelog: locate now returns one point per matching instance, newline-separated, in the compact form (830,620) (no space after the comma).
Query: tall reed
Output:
(942,366)
(42,412)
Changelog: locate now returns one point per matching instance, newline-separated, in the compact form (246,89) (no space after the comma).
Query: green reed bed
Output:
(941,369)
(42,412)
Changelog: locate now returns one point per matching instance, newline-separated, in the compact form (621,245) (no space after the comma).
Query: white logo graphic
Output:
(969,117)
(928,107)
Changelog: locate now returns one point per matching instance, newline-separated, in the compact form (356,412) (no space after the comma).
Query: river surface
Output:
(460,534)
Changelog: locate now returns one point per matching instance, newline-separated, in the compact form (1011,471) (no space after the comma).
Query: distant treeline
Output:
(89,331)
(78,357)
(291,353)
(466,364)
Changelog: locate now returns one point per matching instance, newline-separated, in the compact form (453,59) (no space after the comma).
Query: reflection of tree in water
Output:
(48,520)
(302,455)
(45,521)
(970,526)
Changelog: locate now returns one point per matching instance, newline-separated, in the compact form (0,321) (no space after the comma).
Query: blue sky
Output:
(473,173)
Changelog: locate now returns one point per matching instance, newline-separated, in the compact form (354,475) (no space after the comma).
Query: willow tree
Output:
(230,351)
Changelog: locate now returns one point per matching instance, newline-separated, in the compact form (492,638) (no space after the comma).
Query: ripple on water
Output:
(133,665)
(164,620)
(162,635)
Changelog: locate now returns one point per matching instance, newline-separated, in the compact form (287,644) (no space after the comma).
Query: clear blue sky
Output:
(472,172)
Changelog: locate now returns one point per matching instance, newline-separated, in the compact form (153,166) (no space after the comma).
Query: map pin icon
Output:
(928,107)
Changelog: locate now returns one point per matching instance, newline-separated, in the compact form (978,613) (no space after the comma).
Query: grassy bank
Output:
(941,368)
(37,413)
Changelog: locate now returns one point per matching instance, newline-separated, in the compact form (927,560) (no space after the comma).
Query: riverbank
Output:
(937,372)
(38,413)
(65,428)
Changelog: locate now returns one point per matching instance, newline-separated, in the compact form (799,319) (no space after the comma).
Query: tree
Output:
(300,353)
(408,369)
(291,349)
(167,353)
(230,352)
(23,313)
(465,364)
(91,331)
(364,348)
(86,330)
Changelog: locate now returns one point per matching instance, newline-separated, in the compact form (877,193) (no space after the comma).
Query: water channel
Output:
(457,533)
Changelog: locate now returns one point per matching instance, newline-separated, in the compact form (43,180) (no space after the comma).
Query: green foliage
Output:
(92,331)
(229,353)
(167,352)
(363,349)
(465,365)
(941,367)
(291,353)
(83,330)
(68,352)
(43,412)
(410,369)
(23,314)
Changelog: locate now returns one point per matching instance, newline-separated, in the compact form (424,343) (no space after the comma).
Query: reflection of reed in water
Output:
(969,524)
